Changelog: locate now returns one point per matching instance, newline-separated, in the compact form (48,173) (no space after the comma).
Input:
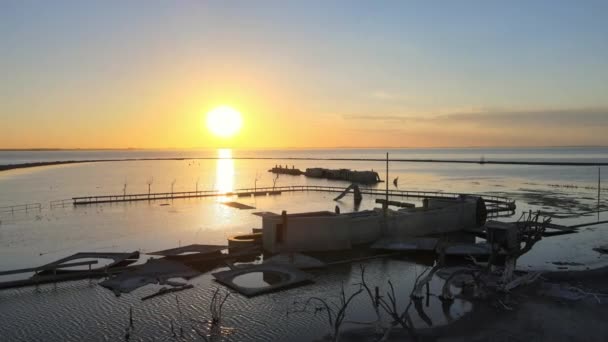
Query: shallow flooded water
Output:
(82,310)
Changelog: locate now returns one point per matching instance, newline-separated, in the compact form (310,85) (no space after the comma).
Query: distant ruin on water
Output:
(362,177)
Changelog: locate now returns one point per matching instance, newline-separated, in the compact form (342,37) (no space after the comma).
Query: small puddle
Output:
(259,279)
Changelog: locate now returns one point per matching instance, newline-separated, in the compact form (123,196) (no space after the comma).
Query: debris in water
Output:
(120,260)
(155,271)
(567,263)
(165,290)
(238,205)
(194,250)
(602,249)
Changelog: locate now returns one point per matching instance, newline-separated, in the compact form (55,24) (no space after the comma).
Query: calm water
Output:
(83,311)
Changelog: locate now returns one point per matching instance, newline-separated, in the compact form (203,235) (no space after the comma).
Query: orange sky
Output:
(302,75)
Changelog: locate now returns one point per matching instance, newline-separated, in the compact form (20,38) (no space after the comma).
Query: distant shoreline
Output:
(8,167)
(53,149)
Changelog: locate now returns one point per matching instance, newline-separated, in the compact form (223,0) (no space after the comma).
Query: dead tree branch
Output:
(336,312)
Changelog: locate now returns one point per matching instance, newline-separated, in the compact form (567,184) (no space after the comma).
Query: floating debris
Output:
(238,205)
(264,213)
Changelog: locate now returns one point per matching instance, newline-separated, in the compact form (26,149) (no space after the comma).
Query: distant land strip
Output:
(481,162)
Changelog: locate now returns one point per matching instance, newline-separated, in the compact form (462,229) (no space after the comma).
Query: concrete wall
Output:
(325,233)
(445,217)
(365,229)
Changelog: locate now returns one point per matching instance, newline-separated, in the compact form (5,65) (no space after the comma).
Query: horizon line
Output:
(51,149)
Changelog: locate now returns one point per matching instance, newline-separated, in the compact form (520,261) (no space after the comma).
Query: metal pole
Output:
(386,181)
(598,187)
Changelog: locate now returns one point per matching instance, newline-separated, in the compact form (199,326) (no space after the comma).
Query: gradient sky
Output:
(115,74)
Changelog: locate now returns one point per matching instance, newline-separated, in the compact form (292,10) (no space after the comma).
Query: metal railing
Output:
(494,202)
(61,203)
(21,208)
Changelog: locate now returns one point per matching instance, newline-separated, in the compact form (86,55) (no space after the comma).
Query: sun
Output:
(224,121)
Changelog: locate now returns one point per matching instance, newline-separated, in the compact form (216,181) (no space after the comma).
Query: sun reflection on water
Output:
(224,178)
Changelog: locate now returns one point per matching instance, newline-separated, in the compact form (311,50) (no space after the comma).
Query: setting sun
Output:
(224,121)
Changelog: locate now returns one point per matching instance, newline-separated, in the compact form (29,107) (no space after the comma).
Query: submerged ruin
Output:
(459,236)
(327,231)
(361,177)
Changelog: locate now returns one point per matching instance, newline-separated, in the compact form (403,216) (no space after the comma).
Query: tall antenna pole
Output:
(598,188)
(386,181)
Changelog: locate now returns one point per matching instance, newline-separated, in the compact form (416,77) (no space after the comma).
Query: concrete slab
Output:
(190,249)
(264,213)
(260,279)
(119,260)
(238,205)
(155,271)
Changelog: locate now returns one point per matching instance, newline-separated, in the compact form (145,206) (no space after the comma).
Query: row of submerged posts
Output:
(12,209)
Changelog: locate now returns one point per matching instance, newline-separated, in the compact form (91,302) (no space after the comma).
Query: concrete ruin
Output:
(260,279)
(296,260)
(328,231)
(155,271)
(362,177)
